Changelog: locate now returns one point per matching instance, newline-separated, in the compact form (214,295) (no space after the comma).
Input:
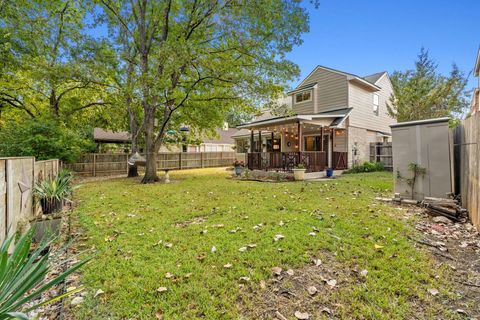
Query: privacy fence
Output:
(467,165)
(103,164)
(382,152)
(17,179)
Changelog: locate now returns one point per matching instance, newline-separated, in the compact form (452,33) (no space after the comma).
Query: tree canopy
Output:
(196,60)
(424,93)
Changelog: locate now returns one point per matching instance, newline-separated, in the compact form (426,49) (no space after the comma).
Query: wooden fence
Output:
(17,178)
(382,152)
(467,165)
(102,164)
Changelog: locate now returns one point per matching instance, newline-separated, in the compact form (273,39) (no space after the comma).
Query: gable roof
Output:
(224,136)
(373,78)
(102,135)
(350,76)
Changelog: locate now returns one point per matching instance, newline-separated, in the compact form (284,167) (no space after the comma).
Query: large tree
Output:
(54,71)
(199,58)
(424,93)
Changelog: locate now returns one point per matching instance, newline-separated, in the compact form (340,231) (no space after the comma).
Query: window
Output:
(375,104)
(303,96)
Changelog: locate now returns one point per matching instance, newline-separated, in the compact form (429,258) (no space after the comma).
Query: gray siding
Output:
(331,92)
(361,100)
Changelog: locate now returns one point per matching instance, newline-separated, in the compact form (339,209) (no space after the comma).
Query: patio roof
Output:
(337,116)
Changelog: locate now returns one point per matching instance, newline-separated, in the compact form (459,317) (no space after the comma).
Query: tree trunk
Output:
(151,149)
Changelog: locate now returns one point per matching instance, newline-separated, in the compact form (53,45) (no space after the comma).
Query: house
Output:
(475,105)
(110,141)
(336,115)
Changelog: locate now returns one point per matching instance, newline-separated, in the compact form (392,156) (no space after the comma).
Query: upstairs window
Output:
(303,96)
(375,104)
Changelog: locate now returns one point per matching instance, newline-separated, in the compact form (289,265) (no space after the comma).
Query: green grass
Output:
(133,265)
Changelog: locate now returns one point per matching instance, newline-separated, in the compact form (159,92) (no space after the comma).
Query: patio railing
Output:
(314,161)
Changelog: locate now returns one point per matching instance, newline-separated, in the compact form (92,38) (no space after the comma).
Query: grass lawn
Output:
(128,226)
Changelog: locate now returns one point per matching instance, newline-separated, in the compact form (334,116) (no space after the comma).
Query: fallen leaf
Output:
(327,310)
(278,237)
(432,291)
(302,315)
(363,273)
(276,271)
(214,249)
(317,262)
(378,246)
(242,249)
(263,285)
(159,314)
(109,238)
(168,245)
(281,223)
(161,289)
(252,245)
(168,275)
(244,279)
(332,282)
(227,266)
(313,234)
(290,272)
(99,292)
(312,290)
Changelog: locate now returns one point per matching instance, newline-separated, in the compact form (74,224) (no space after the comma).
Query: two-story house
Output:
(335,117)
(475,105)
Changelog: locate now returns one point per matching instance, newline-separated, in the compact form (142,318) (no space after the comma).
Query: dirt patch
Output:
(452,244)
(186,223)
(308,290)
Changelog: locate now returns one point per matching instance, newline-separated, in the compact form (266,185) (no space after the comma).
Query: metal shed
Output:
(429,145)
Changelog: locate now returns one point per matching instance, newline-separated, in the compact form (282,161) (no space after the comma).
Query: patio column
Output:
(260,149)
(321,139)
(300,138)
(251,141)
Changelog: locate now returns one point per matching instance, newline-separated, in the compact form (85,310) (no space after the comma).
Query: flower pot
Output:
(299,174)
(46,229)
(50,206)
(238,171)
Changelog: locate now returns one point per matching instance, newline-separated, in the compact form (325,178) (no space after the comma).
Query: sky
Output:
(367,36)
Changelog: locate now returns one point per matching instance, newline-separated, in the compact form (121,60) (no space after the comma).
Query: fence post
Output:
(94,164)
(180,160)
(221,158)
(201,159)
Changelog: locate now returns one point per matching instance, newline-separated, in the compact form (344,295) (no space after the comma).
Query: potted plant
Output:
(52,193)
(299,172)
(238,165)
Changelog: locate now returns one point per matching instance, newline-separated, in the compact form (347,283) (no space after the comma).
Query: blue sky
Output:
(368,36)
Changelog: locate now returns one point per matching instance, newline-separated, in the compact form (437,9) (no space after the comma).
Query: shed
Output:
(429,145)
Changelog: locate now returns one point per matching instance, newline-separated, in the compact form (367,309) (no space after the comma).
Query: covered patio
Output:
(316,141)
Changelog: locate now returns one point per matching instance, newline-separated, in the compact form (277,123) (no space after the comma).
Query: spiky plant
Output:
(51,192)
(22,276)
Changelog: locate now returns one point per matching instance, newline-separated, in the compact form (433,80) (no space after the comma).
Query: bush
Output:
(43,139)
(367,166)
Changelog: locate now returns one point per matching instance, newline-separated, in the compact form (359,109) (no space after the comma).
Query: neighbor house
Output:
(220,141)
(475,105)
(335,116)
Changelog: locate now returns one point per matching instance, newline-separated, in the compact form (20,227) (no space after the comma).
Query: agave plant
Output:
(52,192)
(22,276)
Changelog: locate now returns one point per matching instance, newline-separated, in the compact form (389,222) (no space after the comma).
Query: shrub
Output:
(22,276)
(53,191)
(43,139)
(367,166)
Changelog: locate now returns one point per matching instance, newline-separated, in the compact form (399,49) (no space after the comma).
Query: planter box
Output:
(46,229)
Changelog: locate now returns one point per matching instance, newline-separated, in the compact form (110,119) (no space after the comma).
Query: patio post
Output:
(321,138)
(251,141)
(260,149)
(300,139)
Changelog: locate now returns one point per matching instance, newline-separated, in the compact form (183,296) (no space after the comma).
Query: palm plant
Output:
(22,276)
(52,192)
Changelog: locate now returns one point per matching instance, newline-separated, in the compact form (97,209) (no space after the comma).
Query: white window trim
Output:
(304,101)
